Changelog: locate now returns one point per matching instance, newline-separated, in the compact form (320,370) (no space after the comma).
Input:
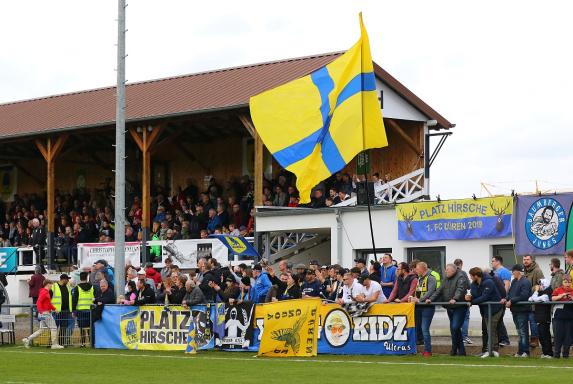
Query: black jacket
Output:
(145,296)
(207,290)
(177,295)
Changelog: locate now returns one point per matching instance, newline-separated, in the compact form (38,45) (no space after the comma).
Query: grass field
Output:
(40,365)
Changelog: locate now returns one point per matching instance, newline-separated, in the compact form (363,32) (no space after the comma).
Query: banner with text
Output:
(290,328)
(155,327)
(455,219)
(541,224)
(184,253)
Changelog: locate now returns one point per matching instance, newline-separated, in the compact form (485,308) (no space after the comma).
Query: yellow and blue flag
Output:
(191,338)
(237,245)
(316,124)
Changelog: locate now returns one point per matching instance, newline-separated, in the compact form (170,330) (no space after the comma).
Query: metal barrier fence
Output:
(72,329)
(76,328)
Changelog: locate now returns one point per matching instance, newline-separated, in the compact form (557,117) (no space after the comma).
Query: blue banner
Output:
(455,219)
(155,327)
(237,245)
(541,224)
(8,260)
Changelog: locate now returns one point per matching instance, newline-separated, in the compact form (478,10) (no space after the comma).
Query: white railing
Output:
(407,188)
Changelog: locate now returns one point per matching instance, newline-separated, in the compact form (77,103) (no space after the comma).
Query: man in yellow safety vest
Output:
(62,300)
(83,298)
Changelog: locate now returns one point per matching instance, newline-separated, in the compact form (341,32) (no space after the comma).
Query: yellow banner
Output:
(162,330)
(455,209)
(290,328)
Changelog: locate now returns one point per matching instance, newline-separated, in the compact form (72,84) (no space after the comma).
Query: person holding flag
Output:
(316,124)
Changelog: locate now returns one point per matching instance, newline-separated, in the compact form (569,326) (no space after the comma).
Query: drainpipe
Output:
(339,230)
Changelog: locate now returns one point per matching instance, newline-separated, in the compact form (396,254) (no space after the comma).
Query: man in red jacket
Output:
(45,308)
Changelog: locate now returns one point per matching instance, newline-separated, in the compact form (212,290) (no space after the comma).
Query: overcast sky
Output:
(500,70)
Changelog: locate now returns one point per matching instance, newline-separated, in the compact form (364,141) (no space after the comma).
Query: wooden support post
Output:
(50,152)
(145,141)
(392,124)
(259,151)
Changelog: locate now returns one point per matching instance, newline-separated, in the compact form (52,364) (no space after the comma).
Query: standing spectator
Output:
(459,263)
(569,263)
(505,276)
(38,239)
(360,263)
(206,278)
(563,319)
(453,290)
(311,286)
(404,286)
(351,289)
(62,300)
(483,289)
(519,290)
(387,274)
(424,315)
(145,294)
(35,283)
(262,284)
(533,273)
(45,308)
(104,296)
(372,291)
(556,273)
(193,295)
(542,314)
(166,270)
(83,296)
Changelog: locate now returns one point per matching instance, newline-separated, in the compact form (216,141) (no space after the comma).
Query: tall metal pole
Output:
(120,154)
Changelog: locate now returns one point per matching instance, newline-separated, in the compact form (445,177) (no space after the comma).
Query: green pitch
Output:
(40,365)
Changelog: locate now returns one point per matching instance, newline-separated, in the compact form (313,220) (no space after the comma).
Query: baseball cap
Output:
(141,272)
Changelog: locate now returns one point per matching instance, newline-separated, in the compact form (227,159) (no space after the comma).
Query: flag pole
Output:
(364,142)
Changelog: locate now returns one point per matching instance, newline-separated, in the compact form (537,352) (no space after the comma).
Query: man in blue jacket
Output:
(519,290)
(482,290)
(261,286)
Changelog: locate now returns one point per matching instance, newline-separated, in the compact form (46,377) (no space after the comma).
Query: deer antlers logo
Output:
(499,213)
(408,217)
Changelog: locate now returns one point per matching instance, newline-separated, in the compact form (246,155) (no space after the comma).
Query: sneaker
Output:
(546,357)
(486,354)
(57,346)
(521,355)
(467,340)
(427,354)
(26,342)
(504,343)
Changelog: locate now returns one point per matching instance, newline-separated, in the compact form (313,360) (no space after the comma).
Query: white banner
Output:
(184,253)
(89,253)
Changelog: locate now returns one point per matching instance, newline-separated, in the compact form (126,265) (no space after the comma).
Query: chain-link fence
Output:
(68,329)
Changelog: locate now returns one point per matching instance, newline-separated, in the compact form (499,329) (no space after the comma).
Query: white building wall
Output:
(355,235)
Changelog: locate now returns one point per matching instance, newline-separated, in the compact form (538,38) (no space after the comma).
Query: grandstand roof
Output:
(174,96)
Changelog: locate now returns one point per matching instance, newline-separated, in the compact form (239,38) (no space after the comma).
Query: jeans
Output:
(424,316)
(466,325)
(533,325)
(457,316)
(521,321)
(495,319)
(501,330)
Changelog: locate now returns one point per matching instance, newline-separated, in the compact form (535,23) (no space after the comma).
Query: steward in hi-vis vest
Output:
(83,299)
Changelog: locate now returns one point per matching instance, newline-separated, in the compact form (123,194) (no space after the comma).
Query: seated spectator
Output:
(214,221)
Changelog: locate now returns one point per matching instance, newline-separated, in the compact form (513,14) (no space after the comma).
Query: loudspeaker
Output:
(361,193)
